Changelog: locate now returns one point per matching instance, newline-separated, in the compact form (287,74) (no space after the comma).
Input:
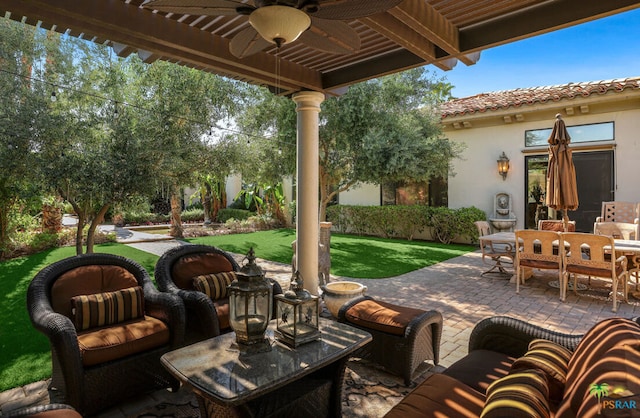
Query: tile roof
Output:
(498,100)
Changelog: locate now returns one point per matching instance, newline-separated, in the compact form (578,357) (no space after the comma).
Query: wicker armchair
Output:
(174,273)
(101,362)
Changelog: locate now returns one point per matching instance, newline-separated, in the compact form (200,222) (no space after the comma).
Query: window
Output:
(578,133)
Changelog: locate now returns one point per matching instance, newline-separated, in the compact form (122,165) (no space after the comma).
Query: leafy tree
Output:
(380,130)
(180,145)
(23,116)
(95,155)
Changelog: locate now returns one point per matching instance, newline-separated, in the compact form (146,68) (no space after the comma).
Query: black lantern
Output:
(250,305)
(297,314)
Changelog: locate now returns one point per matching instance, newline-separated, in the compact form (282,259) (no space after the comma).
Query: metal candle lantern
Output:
(297,314)
(250,305)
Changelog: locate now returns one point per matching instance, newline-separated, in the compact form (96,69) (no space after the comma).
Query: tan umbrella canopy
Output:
(562,190)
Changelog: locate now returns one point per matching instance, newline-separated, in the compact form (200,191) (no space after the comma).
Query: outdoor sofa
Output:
(516,369)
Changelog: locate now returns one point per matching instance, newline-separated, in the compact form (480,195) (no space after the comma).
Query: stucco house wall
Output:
(492,123)
(361,194)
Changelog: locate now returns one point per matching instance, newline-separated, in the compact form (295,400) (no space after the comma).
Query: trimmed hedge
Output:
(399,221)
(228,213)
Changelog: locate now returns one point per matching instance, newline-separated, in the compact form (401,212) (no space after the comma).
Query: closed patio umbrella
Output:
(562,190)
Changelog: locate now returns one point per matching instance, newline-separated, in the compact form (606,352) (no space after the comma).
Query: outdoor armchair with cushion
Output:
(538,250)
(594,256)
(199,275)
(108,326)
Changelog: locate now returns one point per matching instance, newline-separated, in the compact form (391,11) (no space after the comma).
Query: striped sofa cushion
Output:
(521,394)
(598,359)
(550,358)
(214,285)
(108,308)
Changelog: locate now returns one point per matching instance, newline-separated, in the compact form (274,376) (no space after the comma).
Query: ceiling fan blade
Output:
(331,36)
(247,42)
(352,9)
(197,7)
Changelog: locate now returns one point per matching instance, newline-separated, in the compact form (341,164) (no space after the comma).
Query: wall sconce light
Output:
(503,165)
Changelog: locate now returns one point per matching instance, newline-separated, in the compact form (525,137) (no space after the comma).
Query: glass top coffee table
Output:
(305,381)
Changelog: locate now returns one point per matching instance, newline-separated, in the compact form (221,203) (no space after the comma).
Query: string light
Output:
(53,96)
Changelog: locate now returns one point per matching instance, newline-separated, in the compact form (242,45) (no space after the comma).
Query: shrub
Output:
(448,223)
(405,221)
(228,213)
(194,214)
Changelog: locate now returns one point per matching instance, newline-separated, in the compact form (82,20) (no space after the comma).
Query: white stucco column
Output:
(307,189)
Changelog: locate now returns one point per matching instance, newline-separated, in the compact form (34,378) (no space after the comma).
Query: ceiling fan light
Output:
(279,24)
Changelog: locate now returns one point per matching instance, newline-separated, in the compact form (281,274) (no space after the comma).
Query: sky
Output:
(604,49)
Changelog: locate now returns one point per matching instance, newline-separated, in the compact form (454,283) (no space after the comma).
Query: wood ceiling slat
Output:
(417,32)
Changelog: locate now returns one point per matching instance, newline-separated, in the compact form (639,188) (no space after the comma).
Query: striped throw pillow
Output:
(108,308)
(550,358)
(214,285)
(523,394)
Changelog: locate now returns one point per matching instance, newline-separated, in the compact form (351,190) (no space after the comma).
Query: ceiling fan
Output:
(316,23)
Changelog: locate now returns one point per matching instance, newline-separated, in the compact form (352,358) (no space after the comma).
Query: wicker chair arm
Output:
(512,336)
(432,319)
(203,308)
(29,411)
(169,309)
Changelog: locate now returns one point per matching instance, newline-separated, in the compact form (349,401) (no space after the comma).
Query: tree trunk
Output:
(93,226)
(176,230)
(79,228)
(206,204)
(4,226)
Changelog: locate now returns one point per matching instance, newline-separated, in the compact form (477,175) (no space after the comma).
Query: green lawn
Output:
(24,352)
(351,256)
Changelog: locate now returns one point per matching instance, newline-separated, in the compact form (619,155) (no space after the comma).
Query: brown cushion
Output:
(214,285)
(593,271)
(618,370)
(550,358)
(192,265)
(520,394)
(85,280)
(602,337)
(108,308)
(117,341)
(540,264)
(480,368)
(439,396)
(557,226)
(222,310)
(382,316)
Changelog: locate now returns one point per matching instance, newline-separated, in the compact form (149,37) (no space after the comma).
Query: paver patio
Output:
(453,287)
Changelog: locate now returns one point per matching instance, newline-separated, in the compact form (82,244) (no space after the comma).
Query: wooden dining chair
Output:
(538,250)
(591,255)
(626,231)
